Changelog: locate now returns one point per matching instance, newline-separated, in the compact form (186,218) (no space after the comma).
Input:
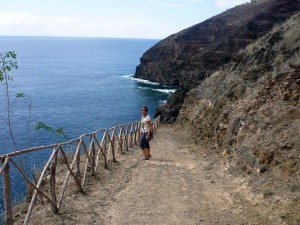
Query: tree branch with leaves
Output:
(8,62)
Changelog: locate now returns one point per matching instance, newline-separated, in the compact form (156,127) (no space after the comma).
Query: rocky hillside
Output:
(186,58)
(249,110)
(238,75)
(248,113)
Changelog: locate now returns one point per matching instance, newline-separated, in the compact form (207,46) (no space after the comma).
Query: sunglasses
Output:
(143,110)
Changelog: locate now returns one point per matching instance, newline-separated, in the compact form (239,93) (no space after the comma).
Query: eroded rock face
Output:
(263,132)
(186,58)
(173,106)
(249,111)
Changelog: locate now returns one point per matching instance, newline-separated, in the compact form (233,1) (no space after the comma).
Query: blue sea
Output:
(79,84)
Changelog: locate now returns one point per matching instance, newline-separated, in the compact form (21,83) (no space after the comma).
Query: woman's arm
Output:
(149,129)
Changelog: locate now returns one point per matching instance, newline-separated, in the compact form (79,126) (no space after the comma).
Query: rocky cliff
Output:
(241,99)
(238,75)
(249,110)
(186,58)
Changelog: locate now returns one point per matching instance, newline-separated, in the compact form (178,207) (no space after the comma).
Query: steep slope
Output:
(249,111)
(184,59)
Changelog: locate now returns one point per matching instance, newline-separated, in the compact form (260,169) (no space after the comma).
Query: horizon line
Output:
(92,37)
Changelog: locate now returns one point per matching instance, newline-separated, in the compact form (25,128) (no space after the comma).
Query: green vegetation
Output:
(8,63)
(54,132)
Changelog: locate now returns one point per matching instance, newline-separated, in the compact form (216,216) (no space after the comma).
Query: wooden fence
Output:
(168,120)
(100,146)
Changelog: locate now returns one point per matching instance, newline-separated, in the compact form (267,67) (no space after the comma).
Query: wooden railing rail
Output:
(92,149)
(168,120)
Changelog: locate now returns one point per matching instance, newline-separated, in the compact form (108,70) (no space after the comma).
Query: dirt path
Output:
(180,184)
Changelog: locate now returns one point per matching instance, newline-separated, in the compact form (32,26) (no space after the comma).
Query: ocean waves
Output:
(152,86)
(168,91)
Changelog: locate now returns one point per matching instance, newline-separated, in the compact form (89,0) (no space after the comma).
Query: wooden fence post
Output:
(92,154)
(131,138)
(119,140)
(112,144)
(105,150)
(78,176)
(139,132)
(6,194)
(53,183)
(127,138)
(93,158)
(135,133)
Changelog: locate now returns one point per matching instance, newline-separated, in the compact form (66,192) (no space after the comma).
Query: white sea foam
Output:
(145,81)
(168,91)
(130,76)
(162,102)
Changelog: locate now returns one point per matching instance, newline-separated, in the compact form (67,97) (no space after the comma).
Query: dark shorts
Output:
(144,143)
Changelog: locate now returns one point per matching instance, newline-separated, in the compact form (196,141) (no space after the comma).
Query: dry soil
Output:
(181,184)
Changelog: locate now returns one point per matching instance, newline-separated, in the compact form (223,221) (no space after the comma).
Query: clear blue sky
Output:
(106,18)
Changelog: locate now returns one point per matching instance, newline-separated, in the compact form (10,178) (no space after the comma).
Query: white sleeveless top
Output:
(144,124)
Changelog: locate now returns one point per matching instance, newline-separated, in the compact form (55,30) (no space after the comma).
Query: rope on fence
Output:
(112,141)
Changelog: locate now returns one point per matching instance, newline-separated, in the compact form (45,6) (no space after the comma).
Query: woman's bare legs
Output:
(148,152)
(145,153)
